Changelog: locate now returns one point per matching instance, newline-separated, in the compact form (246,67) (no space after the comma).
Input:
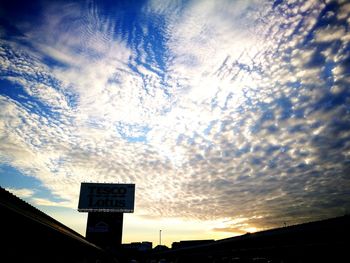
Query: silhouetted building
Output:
(319,241)
(161,248)
(190,243)
(29,235)
(138,246)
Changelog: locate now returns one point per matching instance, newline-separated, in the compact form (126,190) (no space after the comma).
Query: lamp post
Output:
(160,237)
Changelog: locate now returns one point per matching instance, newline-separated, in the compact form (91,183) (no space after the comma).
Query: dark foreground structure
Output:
(321,241)
(28,235)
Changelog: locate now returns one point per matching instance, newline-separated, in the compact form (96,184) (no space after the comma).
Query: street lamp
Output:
(160,237)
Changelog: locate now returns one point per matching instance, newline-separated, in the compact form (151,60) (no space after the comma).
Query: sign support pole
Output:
(105,229)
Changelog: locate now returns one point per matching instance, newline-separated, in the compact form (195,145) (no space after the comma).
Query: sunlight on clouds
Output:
(236,226)
(251,229)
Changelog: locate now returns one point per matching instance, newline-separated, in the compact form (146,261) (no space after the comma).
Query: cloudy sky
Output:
(229,116)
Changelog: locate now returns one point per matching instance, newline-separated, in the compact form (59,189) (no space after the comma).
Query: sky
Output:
(229,116)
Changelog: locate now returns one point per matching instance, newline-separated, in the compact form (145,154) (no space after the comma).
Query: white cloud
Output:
(21,192)
(330,33)
(29,195)
(44,202)
(344,11)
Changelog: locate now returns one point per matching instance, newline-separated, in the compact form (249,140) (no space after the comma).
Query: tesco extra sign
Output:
(106,197)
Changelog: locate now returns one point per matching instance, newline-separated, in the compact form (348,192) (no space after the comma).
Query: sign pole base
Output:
(105,229)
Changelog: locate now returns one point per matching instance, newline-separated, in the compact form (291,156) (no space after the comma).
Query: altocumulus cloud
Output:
(236,111)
